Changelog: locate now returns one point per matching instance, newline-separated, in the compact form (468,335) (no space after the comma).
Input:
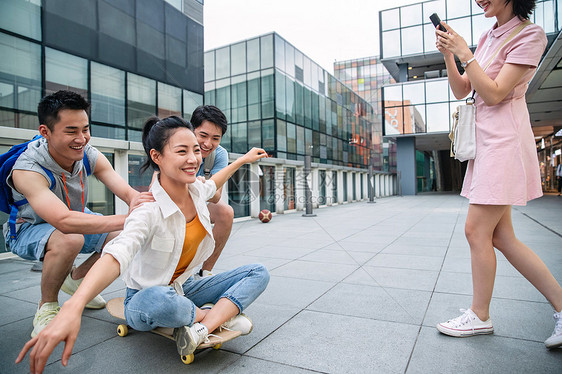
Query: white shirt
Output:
(149,247)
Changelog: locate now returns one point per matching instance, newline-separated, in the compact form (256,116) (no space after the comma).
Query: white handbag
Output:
(463,130)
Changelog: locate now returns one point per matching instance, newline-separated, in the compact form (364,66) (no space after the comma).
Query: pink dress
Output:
(506,169)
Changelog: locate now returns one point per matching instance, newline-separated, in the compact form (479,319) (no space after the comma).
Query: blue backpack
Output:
(7,161)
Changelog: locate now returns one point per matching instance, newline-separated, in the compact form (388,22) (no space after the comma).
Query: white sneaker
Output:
(43,316)
(468,324)
(240,323)
(188,338)
(555,340)
(71,285)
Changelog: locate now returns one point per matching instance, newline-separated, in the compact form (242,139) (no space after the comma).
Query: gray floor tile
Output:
(385,346)
(437,353)
(293,292)
(406,261)
(315,271)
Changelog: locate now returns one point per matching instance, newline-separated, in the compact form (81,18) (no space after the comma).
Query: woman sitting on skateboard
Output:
(161,246)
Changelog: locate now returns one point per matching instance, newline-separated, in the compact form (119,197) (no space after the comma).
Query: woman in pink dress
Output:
(505,170)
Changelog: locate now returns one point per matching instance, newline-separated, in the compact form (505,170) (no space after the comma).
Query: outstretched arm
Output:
(66,325)
(222,176)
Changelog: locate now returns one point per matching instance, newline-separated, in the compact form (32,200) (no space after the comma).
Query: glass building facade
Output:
(275,97)
(422,102)
(366,77)
(130,59)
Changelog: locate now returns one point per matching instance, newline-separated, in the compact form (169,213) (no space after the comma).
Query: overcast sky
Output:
(324,30)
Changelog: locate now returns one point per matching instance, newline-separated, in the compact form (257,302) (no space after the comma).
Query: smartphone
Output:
(437,22)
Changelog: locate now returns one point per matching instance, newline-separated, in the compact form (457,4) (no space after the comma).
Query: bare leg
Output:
(480,225)
(60,252)
(222,216)
(526,261)
(221,312)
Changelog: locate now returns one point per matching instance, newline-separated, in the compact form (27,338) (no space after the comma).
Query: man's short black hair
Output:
(50,106)
(209,113)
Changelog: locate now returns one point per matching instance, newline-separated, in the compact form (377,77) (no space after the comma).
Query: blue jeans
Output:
(161,306)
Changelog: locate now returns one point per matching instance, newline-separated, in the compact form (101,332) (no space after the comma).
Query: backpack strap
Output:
(208,164)
(86,163)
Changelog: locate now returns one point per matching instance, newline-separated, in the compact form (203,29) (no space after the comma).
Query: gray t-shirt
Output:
(37,155)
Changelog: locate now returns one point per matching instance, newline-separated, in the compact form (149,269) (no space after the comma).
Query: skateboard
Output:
(116,308)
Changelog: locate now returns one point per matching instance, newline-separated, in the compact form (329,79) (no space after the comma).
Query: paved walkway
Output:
(357,289)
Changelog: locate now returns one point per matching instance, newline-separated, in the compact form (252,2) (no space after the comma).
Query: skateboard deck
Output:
(116,308)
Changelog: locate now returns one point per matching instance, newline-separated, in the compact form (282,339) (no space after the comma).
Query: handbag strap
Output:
(511,36)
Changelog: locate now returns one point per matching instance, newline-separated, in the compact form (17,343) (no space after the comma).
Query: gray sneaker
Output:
(71,285)
(43,316)
(555,340)
(188,338)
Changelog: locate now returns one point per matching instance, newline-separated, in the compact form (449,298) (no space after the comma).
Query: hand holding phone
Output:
(437,22)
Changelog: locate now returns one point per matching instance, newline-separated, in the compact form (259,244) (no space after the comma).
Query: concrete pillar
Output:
(340,187)
(254,190)
(121,166)
(406,164)
(315,186)
(300,185)
(279,195)
(329,187)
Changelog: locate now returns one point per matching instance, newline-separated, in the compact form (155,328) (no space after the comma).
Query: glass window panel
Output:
(476,9)
(291,138)
(414,119)
(238,58)
(141,100)
(209,66)
(456,8)
(239,100)
(254,134)
(390,19)
(289,59)
(414,93)
(430,7)
(107,94)
(412,40)
(21,73)
(191,100)
(290,99)
(169,100)
(279,53)
(110,132)
(222,63)
(239,134)
(239,192)
(268,135)
(267,95)
(437,90)
(393,95)
(289,188)
(253,51)
(393,121)
(267,188)
(411,15)
(391,43)
(429,38)
(266,51)
(438,117)
(222,97)
(306,72)
(65,72)
(254,97)
(22,17)
(280,99)
(281,136)
(300,140)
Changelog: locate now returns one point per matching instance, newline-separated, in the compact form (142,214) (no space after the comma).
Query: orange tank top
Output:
(194,234)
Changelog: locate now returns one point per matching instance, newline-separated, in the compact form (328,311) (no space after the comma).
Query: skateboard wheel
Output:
(188,359)
(217,346)
(122,330)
